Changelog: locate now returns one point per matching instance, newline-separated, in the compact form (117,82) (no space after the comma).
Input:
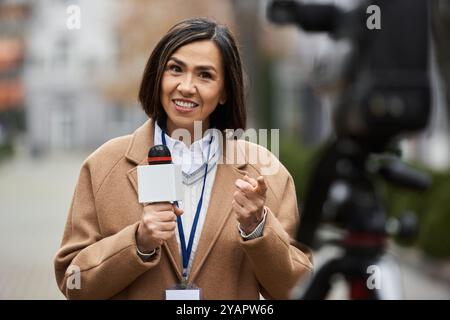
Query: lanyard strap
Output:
(186,252)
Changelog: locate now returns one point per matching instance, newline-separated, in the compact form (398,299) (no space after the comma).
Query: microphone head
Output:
(159,154)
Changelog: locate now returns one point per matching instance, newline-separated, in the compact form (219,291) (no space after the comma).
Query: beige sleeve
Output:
(88,265)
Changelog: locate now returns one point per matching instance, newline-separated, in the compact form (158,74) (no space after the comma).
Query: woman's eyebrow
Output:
(203,68)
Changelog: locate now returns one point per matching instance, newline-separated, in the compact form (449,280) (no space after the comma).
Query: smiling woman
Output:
(196,61)
(193,85)
(231,236)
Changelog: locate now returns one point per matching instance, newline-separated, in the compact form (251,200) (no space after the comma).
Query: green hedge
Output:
(298,159)
(6,150)
(432,207)
(433,210)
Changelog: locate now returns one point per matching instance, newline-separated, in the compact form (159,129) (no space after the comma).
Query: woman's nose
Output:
(186,86)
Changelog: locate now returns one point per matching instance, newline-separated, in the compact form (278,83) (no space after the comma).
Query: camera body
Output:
(386,79)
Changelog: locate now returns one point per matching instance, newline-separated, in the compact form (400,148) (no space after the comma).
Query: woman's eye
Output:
(205,75)
(174,68)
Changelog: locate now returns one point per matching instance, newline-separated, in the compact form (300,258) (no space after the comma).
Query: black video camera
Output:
(386,94)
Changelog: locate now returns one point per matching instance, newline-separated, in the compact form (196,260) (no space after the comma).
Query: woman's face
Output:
(192,85)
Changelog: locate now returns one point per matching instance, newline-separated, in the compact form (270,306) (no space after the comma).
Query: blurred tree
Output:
(248,24)
(262,44)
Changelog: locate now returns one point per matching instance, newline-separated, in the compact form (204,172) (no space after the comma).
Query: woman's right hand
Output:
(158,224)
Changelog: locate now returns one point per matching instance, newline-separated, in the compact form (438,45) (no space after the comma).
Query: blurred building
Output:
(13,16)
(80,86)
(65,107)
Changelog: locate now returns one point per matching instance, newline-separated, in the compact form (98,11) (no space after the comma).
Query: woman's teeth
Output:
(185,104)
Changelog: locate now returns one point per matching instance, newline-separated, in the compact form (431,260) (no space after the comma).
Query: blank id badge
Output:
(184,292)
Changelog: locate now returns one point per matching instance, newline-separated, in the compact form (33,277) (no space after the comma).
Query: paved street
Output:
(417,277)
(34,199)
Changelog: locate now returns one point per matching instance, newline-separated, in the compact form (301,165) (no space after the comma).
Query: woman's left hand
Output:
(248,202)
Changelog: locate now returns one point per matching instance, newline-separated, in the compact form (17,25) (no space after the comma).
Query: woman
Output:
(237,224)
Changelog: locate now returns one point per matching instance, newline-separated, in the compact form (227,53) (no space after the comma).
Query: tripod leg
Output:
(321,283)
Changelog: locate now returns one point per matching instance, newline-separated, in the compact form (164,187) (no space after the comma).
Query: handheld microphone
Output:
(159,154)
(160,180)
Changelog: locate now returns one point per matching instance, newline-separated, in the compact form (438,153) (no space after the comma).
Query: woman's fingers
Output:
(159,206)
(238,209)
(165,216)
(250,186)
(167,226)
(247,205)
(244,186)
(251,181)
(241,199)
(261,187)
(177,210)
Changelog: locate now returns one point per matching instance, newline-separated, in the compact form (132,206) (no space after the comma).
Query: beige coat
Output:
(99,236)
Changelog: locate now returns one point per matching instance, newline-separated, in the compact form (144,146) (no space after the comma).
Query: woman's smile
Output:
(184,105)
